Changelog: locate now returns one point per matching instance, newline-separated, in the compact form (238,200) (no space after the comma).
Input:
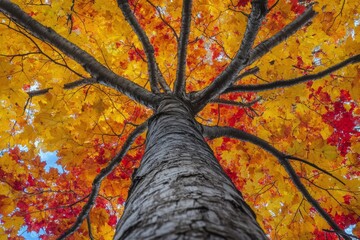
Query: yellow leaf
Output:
(13,222)
(7,206)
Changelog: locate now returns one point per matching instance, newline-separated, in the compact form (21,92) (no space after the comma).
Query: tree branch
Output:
(241,59)
(179,85)
(265,46)
(164,21)
(66,86)
(294,81)
(254,70)
(100,177)
(233,103)
(153,69)
(25,34)
(227,77)
(89,227)
(215,132)
(248,72)
(102,74)
(314,166)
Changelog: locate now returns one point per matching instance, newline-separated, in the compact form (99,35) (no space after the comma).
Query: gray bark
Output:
(180,191)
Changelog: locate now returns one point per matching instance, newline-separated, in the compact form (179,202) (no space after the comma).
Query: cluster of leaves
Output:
(86,124)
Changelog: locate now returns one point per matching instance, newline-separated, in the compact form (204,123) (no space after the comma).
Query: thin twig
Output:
(89,227)
(238,104)
(66,86)
(100,177)
(294,81)
(227,77)
(240,61)
(164,21)
(315,166)
(248,72)
(216,131)
(289,30)
(104,75)
(153,69)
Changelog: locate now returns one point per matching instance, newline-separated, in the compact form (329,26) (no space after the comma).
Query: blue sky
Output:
(50,158)
(29,235)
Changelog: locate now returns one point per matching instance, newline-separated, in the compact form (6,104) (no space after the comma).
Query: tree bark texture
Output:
(180,191)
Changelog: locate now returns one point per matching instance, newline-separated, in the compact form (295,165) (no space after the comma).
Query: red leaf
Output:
(347,199)
(112,220)
(295,7)
(22,206)
(343,121)
(31,181)
(242,3)
(26,87)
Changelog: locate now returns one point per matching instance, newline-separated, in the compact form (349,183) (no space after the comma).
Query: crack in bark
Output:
(174,169)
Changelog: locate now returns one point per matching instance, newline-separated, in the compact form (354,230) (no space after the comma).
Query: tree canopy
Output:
(275,85)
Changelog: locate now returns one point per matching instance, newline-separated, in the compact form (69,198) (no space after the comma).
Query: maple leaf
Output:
(253,96)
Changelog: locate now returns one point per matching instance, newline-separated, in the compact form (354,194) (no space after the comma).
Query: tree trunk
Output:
(180,191)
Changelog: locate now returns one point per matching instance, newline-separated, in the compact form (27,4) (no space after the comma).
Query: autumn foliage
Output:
(86,124)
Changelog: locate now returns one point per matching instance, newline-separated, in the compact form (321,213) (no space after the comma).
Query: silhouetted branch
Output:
(352,237)
(25,34)
(89,227)
(294,81)
(241,59)
(100,177)
(12,56)
(164,21)
(274,5)
(228,76)
(248,72)
(179,85)
(153,69)
(89,63)
(232,7)
(233,103)
(216,131)
(315,166)
(66,86)
(265,46)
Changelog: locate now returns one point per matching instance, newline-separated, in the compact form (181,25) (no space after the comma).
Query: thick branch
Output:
(90,64)
(100,177)
(66,86)
(265,46)
(215,132)
(227,77)
(179,86)
(294,81)
(153,69)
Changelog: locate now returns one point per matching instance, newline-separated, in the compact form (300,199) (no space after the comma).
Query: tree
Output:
(271,86)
